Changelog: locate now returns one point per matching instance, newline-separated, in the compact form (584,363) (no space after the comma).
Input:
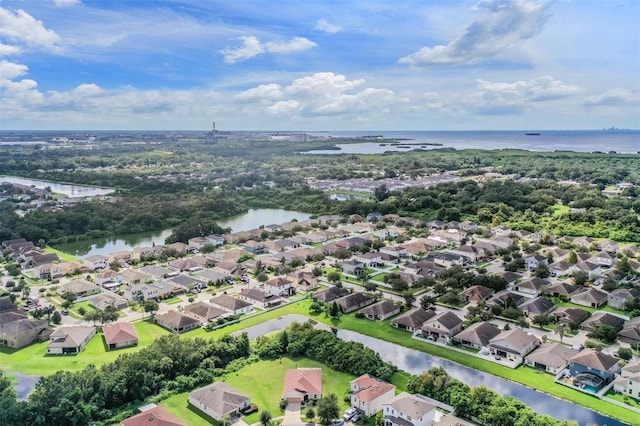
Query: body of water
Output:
(624,142)
(415,362)
(243,222)
(25,384)
(70,190)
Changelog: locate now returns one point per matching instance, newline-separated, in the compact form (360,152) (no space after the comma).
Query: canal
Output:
(70,190)
(415,362)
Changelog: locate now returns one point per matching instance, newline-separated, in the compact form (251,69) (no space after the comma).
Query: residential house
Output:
(178,247)
(155,416)
(352,267)
(630,332)
(177,322)
(591,298)
(80,288)
(279,286)
(134,276)
(144,253)
(157,271)
(187,282)
(353,301)
(561,268)
(619,297)
(368,394)
(562,289)
(536,306)
(255,247)
(204,312)
(70,340)
(302,385)
(592,369)
(49,271)
(108,279)
(120,335)
(476,293)
(121,257)
(381,310)
(603,258)
(303,281)
(602,318)
(471,252)
(533,286)
(370,259)
(477,335)
(532,261)
(102,301)
(628,383)
(219,400)
(397,252)
(330,294)
(608,246)
(413,319)
(214,276)
(374,217)
(571,317)
(447,259)
(506,299)
(501,231)
(259,298)
(141,292)
(513,345)
(197,243)
(444,325)
(36,259)
(469,226)
(231,304)
(409,410)
(96,261)
(550,357)
(16,331)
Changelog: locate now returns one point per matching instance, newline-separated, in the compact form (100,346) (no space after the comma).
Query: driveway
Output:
(292,415)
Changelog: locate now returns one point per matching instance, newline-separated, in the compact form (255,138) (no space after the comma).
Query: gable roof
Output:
(330,294)
(73,335)
(603,318)
(229,302)
(119,332)
(513,341)
(552,355)
(571,315)
(175,320)
(563,288)
(382,308)
(411,405)
(220,397)
(204,310)
(21,326)
(370,388)
(156,416)
(537,306)
(594,359)
(447,319)
(414,318)
(354,299)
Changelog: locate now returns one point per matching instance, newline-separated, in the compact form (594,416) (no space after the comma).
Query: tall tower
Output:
(212,135)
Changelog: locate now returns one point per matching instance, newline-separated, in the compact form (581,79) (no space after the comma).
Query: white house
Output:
(368,394)
(97,261)
(279,286)
(409,410)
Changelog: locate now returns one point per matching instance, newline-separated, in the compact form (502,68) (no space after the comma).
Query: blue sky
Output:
(319,65)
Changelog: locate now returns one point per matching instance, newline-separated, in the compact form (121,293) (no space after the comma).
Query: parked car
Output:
(65,312)
(349,414)
(356,417)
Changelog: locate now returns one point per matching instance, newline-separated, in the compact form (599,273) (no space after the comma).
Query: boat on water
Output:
(532,134)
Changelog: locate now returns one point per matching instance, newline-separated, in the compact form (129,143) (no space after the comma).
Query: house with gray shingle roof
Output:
(537,306)
(381,310)
(592,368)
(70,340)
(409,410)
(176,321)
(354,301)
(592,298)
(219,400)
(443,325)
(602,318)
(477,335)
(232,304)
(513,345)
(550,357)
(412,320)
(570,316)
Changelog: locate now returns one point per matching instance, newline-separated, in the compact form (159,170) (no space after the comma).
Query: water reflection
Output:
(25,384)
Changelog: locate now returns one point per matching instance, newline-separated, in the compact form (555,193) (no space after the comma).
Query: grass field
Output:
(270,376)
(61,255)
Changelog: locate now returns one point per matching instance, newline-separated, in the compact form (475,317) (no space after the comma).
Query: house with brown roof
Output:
(259,298)
(155,416)
(204,312)
(571,317)
(108,279)
(602,318)
(381,310)
(120,335)
(476,293)
(630,332)
(49,271)
(303,281)
(533,286)
(368,394)
(409,410)
(102,301)
(619,297)
(176,322)
(96,261)
(302,385)
(16,331)
(231,304)
(80,287)
(592,298)
(592,369)
(330,294)
(444,325)
(134,276)
(513,345)
(70,340)
(354,301)
(537,306)
(477,335)
(562,289)
(219,400)
(550,357)
(412,320)
(279,286)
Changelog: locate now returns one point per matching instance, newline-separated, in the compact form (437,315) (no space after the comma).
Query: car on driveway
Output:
(349,414)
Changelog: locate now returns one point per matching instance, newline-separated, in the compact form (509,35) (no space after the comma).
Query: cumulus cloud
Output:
(262,92)
(613,97)
(23,29)
(7,50)
(499,25)
(252,47)
(324,25)
(284,107)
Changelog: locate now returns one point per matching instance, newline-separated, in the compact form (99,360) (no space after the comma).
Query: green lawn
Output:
(270,376)
(379,277)
(172,300)
(614,311)
(619,397)
(559,209)
(61,255)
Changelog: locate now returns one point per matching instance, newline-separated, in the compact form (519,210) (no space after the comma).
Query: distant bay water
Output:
(620,141)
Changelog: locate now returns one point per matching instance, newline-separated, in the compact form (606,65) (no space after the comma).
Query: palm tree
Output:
(560,329)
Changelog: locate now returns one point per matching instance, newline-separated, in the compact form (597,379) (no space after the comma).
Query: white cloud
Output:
(263,91)
(324,25)
(7,50)
(284,107)
(613,97)
(65,3)
(252,47)
(322,84)
(500,25)
(22,28)
(11,70)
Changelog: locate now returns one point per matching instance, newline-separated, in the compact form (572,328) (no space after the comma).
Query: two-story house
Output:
(592,369)
(409,410)
(368,394)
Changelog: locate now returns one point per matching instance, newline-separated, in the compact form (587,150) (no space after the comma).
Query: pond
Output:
(243,222)
(71,191)
(25,384)
(415,362)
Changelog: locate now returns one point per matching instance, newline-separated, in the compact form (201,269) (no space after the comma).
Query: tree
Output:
(580,278)
(69,298)
(542,320)
(409,298)
(381,192)
(573,257)
(56,317)
(561,328)
(542,271)
(265,417)
(427,301)
(334,277)
(262,277)
(150,306)
(334,310)
(328,409)
(625,353)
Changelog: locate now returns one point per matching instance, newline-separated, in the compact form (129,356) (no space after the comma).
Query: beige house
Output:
(23,332)
(368,394)
(302,385)
(70,340)
(219,400)
(120,335)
